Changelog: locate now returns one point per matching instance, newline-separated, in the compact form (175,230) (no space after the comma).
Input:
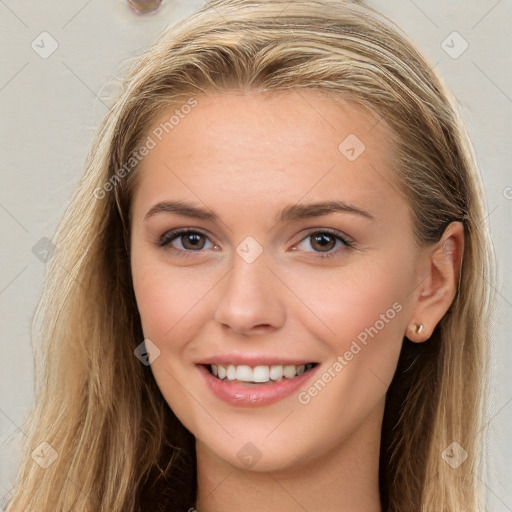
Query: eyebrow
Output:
(287,214)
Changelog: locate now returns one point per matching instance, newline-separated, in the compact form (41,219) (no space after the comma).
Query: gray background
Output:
(50,107)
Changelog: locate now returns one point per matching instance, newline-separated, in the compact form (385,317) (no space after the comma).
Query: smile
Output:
(258,374)
(255,386)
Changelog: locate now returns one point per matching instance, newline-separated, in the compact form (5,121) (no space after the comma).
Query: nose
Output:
(251,299)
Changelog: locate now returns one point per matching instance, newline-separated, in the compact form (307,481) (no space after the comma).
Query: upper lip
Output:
(252,360)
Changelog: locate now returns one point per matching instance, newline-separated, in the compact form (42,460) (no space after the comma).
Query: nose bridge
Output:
(250,297)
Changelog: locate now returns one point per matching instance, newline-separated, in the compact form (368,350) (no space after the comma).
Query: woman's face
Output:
(265,280)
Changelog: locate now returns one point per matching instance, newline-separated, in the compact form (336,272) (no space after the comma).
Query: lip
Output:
(252,360)
(254,395)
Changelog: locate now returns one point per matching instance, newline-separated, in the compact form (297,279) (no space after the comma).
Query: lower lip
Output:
(253,395)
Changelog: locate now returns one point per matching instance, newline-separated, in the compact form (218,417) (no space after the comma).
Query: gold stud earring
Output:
(419,328)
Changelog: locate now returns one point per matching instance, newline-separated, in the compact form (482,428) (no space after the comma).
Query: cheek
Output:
(362,326)
(360,317)
(169,300)
(172,306)
(353,304)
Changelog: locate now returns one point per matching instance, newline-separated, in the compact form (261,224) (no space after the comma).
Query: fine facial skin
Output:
(245,157)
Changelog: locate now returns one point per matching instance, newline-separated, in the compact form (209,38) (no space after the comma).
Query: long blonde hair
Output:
(119,446)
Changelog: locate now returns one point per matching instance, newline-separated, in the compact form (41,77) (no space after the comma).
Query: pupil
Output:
(194,238)
(323,239)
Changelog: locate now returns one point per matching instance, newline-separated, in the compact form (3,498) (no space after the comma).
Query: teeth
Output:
(244,373)
(231,372)
(276,372)
(259,374)
(289,371)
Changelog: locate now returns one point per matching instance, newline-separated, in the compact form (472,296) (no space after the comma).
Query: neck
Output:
(345,479)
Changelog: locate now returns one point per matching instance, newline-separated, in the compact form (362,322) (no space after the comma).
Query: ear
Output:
(439,271)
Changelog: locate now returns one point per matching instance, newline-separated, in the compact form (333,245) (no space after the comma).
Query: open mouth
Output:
(258,374)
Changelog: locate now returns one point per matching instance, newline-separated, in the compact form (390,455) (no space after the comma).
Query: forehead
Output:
(268,146)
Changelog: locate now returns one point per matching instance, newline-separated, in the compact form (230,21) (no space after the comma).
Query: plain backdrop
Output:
(51,104)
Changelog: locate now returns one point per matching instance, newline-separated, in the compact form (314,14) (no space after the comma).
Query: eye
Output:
(188,240)
(323,241)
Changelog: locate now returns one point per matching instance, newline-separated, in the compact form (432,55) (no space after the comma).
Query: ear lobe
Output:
(443,262)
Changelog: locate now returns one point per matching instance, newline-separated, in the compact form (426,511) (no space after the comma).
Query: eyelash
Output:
(169,236)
